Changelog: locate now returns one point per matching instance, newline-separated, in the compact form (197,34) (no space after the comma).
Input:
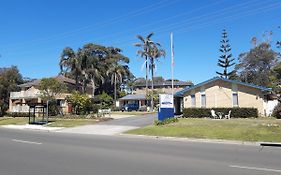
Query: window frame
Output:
(236,99)
(203,103)
(193,100)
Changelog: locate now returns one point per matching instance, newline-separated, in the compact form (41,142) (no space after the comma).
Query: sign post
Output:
(166,109)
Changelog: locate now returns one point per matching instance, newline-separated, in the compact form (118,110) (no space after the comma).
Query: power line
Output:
(102,24)
(227,18)
(209,17)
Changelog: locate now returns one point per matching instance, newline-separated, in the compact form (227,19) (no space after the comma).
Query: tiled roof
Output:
(59,78)
(167,83)
(134,97)
(182,92)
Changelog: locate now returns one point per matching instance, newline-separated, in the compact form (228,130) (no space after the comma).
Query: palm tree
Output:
(70,64)
(155,53)
(117,67)
(145,46)
(117,73)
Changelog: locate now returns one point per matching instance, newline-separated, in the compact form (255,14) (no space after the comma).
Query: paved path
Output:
(43,153)
(113,127)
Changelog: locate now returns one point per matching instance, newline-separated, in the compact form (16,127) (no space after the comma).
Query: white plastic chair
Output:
(228,115)
(214,115)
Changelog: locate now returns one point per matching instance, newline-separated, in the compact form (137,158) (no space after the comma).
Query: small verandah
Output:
(139,99)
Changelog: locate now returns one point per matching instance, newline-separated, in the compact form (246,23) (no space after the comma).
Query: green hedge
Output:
(17,114)
(277,111)
(206,112)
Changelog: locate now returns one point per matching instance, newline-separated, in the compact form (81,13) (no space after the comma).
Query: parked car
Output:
(130,107)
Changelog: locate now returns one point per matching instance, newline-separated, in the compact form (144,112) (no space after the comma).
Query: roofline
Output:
(182,92)
(141,98)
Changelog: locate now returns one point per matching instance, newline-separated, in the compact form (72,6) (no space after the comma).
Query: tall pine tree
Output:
(225,61)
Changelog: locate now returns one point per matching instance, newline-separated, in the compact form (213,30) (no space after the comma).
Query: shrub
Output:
(166,121)
(104,99)
(80,103)
(17,114)
(114,108)
(95,108)
(277,111)
(206,112)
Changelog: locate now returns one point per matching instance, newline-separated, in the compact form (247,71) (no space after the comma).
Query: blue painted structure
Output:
(164,113)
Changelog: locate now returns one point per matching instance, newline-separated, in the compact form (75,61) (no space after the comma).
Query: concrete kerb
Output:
(32,127)
(215,141)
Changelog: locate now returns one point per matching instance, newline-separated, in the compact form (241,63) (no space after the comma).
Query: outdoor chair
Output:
(214,115)
(228,115)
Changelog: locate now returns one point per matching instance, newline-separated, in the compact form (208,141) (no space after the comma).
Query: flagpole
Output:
(172,62)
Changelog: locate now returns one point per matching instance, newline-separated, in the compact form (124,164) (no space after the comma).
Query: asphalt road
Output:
(43,153)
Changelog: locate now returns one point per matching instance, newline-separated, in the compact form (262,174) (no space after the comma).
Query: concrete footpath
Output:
(98,129)
(113,127)
(32,127)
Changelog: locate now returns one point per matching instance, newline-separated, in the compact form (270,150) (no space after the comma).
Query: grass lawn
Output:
(132,113)
(235,129)
(54,122)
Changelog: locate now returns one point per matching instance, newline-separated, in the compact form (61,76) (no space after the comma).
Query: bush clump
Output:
(206,112)
(17,114)
(166,121)
(277,111)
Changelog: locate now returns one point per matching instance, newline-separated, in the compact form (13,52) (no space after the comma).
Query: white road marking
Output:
(255,168)
(25,141)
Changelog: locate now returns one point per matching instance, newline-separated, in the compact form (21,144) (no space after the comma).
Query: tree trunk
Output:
(152,84)
(115,95)
(76,83)
(93,88)
(146,76)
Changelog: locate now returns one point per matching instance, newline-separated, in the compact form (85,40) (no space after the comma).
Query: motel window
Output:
(203,100)
(193,102)
(235,99)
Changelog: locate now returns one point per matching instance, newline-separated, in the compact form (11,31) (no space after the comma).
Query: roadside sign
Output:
(166,109)
(166,101)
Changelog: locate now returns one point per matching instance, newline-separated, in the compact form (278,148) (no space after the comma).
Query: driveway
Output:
(113,127)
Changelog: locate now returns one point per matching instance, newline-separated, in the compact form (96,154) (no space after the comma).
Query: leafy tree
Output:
(10,78)
(255,65)
(225,61)
(50,88)
(118,70)
(94,61)
(104,100)
(276,78)
(130,84)
(90,65)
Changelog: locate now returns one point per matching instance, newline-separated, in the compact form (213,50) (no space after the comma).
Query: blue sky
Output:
(33,33)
